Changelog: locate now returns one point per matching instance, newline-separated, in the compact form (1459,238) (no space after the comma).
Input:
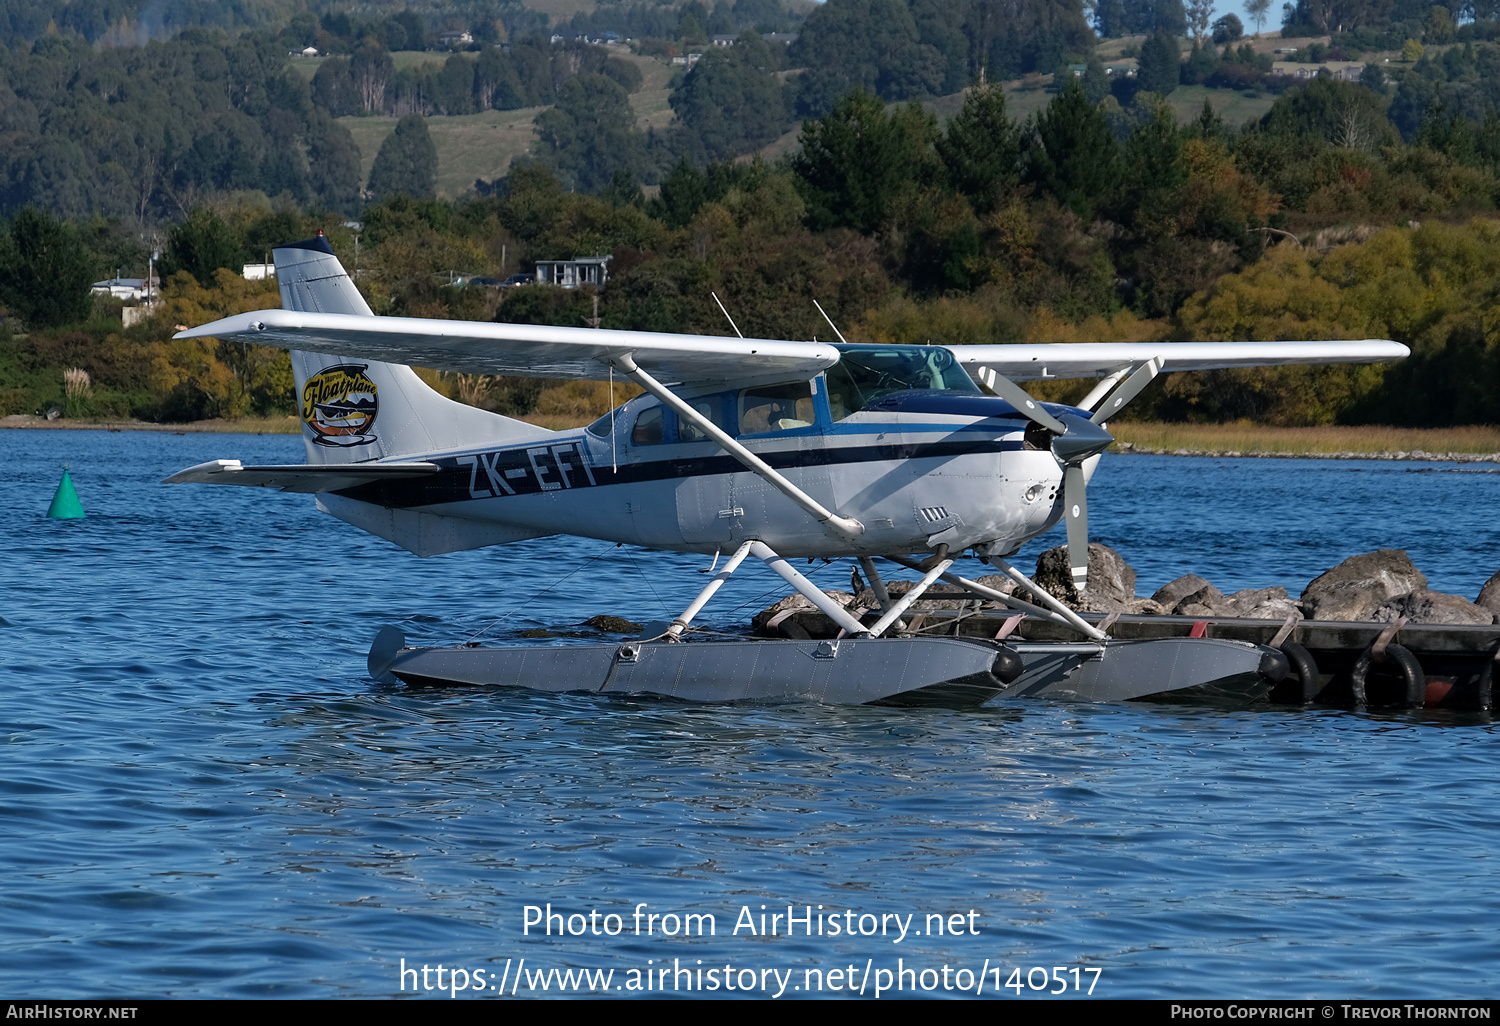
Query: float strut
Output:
(835,612)
(674,632)
(911,596)
(1045,599)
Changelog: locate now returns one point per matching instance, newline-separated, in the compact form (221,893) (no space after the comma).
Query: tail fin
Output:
(358,410)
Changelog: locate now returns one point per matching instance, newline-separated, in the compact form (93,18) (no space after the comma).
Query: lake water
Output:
(202,793)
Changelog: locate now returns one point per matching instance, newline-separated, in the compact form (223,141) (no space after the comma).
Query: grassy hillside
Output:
(471,146)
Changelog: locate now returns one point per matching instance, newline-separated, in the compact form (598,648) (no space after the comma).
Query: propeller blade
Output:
(1143,376)
(1019,398)
(1076,512)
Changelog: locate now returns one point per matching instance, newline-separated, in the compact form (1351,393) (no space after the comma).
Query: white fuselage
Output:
(913,480)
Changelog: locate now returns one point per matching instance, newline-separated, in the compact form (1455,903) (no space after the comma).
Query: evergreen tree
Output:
(406,163)
(857,160)
(1110,18)
(1073,154)
(1160,64)
(45,271)
(333,167)
(981,148)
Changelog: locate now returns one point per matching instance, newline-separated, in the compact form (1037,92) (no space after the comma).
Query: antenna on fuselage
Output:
(728,318)
(835,327)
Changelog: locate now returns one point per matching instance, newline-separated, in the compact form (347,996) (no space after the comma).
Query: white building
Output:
(572,273)
(258,272)
(127,289)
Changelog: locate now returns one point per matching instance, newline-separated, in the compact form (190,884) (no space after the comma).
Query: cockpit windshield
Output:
(865,373)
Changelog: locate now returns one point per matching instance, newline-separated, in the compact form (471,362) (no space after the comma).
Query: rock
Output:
(613,624)
(1489,596)
(1190,590)
(1260,604)
(1371,586)
(795,602)
(940,596)
(1436,607)
(1149,607)
(1111,579)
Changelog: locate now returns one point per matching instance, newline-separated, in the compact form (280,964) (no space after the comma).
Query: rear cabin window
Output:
(776,408)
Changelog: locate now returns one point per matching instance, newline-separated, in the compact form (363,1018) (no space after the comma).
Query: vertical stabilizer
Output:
(358,410)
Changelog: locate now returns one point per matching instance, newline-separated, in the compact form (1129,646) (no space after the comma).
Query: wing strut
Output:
(844,526)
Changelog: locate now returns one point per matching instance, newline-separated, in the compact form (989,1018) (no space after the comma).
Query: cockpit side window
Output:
(866,373)
(648,427)
(716,408)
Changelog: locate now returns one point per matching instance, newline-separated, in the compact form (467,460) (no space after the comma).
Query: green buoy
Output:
(65,504)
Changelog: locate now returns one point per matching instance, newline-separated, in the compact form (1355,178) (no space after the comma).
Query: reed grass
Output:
(1245,437)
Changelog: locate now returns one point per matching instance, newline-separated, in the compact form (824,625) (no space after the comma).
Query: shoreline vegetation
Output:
(282,425)
(1479,443)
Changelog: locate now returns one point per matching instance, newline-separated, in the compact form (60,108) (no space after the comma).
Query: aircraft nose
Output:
(1083,439)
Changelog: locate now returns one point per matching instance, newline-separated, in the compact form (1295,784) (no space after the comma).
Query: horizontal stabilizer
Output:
(299,478)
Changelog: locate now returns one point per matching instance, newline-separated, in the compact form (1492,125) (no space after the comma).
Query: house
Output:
(687,60)
(128,289)
(723,40)
(456,38)
(258,272)
(572,273)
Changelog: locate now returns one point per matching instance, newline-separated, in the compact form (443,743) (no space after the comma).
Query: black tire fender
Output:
(1305,669)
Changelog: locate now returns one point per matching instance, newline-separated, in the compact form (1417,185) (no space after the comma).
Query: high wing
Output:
(689,361)
(1031,361)
(528,350)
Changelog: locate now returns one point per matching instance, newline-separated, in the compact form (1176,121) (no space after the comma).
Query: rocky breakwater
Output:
(1377,587)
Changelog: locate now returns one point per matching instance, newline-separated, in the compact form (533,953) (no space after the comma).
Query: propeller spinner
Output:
(1074,441)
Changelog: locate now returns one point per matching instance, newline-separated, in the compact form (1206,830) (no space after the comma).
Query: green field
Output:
(469,146)
(400,59)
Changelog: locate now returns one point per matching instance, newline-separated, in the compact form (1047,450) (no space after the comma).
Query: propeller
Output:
(1075,440)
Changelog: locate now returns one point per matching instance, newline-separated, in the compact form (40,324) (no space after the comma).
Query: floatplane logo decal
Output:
(339,405)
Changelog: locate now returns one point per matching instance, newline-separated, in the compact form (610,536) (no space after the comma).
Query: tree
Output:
(332,165)
(1228,29)
(590,133)
(371,69)
(874,45)
(982,147)
(406,163)
(1160,64)
(1199,14)
(1109,18)
(201,245)
(1257,10)
(1073,154)
(855,161)
(727,105)
(45,271)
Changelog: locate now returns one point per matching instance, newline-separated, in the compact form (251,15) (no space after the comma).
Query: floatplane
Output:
(740,448)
